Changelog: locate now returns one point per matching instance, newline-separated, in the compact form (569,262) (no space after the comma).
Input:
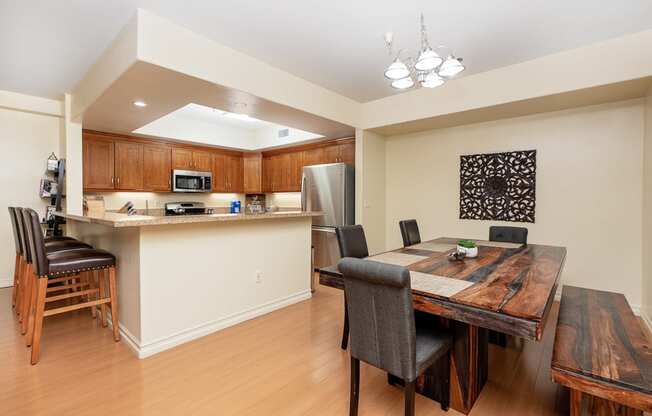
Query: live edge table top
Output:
(511,288)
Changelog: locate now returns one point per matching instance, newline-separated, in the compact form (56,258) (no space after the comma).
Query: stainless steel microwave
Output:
(191,181)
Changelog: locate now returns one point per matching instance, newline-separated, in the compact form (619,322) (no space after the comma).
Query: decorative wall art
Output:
(498,186)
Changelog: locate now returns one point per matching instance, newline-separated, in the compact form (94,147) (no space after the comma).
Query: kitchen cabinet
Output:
(98,161)
(253,174)
(313,156)
(228,173)
(294,171)
(187,159)
(157,168)
(128,166)
(340,153)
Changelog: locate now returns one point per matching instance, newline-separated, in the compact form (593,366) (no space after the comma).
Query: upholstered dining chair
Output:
(384,333)
(409,232)
(505,234)
(352,243)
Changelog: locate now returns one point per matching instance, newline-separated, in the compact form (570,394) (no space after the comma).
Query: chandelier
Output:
(430,70)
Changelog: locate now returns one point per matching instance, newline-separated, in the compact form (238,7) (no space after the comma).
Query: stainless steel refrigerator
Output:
(329,188)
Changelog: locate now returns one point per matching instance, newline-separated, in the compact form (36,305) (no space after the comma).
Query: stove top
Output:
(187,208)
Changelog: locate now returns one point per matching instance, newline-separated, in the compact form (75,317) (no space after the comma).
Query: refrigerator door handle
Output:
(303,192)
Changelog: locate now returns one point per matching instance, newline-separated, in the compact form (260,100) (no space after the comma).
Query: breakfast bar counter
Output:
(183,277)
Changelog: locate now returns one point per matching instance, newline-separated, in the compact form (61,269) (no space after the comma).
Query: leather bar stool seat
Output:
(75,261)
(65,245)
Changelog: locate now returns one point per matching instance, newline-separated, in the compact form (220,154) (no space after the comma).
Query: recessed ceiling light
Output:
(140,103)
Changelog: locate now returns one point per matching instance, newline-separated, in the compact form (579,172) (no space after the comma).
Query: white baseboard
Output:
(6,282)
(153,347)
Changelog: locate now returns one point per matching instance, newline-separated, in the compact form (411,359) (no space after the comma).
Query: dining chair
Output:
(409,232)
(505,234)
(384,333)
(352,243)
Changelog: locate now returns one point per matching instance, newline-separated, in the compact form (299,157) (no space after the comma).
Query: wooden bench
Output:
(602,354)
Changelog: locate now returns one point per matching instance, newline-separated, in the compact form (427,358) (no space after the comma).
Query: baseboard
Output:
(165,343)
(6,283)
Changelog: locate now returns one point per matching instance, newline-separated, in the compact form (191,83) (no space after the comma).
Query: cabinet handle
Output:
(118,181)
(112,180)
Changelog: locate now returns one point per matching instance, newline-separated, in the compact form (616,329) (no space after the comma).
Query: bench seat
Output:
(602,354)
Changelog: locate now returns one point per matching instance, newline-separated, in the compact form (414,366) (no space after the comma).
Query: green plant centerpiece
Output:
(468,247)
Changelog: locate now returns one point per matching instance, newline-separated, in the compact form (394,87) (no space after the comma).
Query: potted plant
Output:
(467,247)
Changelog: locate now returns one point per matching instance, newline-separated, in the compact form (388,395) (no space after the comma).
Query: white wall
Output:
(589,187)
(27,139)
(647,212)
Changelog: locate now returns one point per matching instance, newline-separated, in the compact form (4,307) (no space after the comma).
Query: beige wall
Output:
(370,188)
(27,139)
(647,211)
(589,186)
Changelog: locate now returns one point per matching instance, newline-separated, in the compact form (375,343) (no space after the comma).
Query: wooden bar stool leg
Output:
(15,287)
(21,286)
(27,297)
(41,288)
(29,336)
(90,284)
(114,305)
(101,275)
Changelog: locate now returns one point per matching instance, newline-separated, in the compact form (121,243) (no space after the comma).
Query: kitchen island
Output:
(183,277)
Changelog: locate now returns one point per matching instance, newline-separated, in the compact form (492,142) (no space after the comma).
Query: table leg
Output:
(468,368)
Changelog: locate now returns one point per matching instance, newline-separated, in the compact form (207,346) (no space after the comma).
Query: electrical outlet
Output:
(259,277)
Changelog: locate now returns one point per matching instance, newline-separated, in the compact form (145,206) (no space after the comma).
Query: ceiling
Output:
(46,48)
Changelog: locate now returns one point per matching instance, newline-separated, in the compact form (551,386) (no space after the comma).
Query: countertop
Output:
(116,220)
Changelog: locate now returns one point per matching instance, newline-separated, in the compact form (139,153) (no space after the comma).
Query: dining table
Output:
(507,287)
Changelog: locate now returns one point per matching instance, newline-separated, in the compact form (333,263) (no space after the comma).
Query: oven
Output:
(191,181)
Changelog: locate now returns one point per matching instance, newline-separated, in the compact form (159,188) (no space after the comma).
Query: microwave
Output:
(191,181)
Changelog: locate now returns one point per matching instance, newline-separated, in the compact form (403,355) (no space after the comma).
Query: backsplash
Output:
(115,200)
(284,199)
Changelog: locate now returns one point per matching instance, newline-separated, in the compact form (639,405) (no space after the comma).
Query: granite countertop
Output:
(117,220)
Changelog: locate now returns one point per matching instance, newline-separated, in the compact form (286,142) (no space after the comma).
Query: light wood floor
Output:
(284,363)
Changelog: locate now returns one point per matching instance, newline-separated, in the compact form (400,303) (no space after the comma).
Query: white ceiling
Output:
(47,46)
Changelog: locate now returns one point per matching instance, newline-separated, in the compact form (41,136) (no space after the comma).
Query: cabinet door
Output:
(294,171)
(253,173)
(201,161)
(276,173)
(129,166)
(157,168)
(98,159)
(181,159)
(347,153)
(267,174)
(220,173)
(331,154)
(313,156)
(236,174)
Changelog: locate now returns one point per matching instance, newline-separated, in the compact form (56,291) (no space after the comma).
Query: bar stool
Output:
(50,266)
(52,246)
(20,257)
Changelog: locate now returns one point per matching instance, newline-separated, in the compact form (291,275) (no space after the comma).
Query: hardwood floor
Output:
(288,362)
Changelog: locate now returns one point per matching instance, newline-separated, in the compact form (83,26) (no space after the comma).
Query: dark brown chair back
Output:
(36,242)
(505,234)
(381,315)
(14,226)
(409,232)
(24,244)
(352,241)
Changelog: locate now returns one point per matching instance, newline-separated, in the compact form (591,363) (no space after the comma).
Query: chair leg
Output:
(101,282)
(355,387)
(445,384)
(15,287)
(409,397)
(27,298)
(21,287)
(89,278)
(41,289)
(114,305)
(345,330)
(31,309)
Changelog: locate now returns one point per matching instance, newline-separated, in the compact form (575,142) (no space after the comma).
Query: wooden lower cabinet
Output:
(128,166)
(157,168)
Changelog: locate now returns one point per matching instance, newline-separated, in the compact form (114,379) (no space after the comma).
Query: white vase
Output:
(469,252)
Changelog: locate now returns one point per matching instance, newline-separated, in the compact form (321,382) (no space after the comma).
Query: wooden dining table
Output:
(507,288)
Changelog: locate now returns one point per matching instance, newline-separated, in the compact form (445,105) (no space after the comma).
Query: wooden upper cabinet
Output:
(313,156)
(253,174)
(219,173)
(202,161)
(98,160)
(235,177)
(347,153)
(294,171)
(157,168)
(181,159)
(128,166)
(331,154)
